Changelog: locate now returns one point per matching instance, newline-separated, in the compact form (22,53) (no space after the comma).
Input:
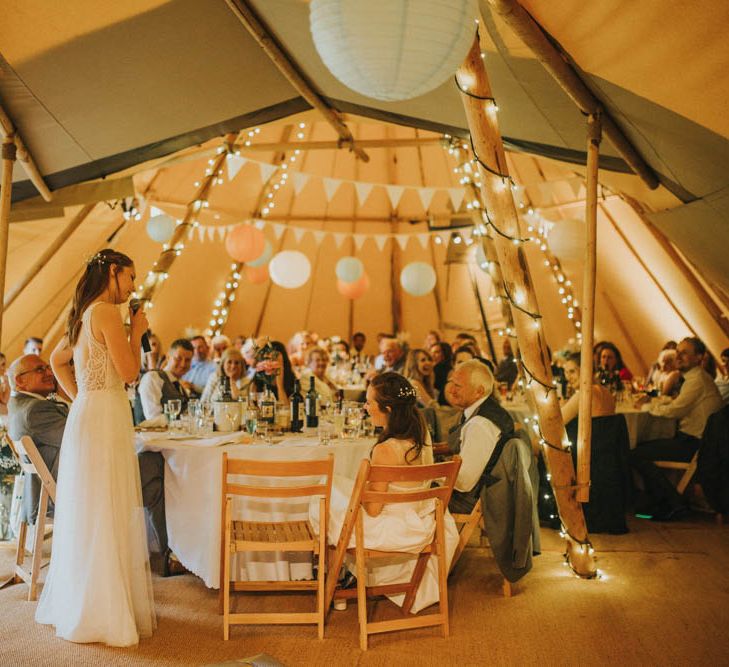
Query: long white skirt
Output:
(99,586)
(407,527)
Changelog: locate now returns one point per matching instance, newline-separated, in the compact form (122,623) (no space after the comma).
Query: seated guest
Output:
(463,339)
(419,371)
(722,378)
(652,378)
(34,413)
(697,400)
(232,366)
(603,403)
(33,345)
(301,343)
(611,361)
(357,354)
(442,355)
(4,386)
(317,362)
(159,386)
(668,378)
(507,369)
(394,355)
(467,353)
(277,375)
(380,359)
(431,338)
(155,358)
(238,342)
(201,368)
(339,350)
(220,344)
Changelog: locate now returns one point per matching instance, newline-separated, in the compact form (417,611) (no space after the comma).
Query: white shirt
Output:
(696,401)
(150,392)
(478,441)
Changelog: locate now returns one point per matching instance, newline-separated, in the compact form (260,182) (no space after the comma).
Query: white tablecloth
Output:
(192,501)
(643,426)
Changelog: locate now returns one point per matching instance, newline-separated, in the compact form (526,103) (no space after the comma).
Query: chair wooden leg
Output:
(320,593)
(20,552)
(361,582)
(225,583)
(37,558)
(506,588)
(442,568)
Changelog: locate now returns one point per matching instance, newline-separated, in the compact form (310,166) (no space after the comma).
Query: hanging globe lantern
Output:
(265,256)
(393,49)
(417,278)
(245,243)
(161,227)
(356,289)
(290,269)
(256,274)
(349,269)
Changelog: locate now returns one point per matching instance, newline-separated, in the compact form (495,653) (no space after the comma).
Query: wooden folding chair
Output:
(246,536)
(354,522)
(32,463)
(466,524)
(689,469)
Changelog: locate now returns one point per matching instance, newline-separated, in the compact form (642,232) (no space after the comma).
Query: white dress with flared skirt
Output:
(99,586)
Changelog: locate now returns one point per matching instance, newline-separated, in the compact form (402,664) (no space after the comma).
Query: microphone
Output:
(134,306)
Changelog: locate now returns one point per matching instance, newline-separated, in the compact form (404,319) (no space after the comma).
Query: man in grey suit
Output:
(33,411)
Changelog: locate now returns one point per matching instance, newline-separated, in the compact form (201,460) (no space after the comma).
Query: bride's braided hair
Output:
(396,397)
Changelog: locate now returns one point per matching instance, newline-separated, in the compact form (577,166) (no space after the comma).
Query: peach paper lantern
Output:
(245,243)
(256,274)
(356,289)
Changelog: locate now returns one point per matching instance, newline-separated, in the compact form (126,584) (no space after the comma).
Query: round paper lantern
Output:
(265,256)
(161,227)
(349,269)
(481,259)
(356,289)
(245,243)
(393,49)
(417,278)
(290,269)
(256,274)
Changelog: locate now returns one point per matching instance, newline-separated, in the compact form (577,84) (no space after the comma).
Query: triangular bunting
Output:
(339,239)
(426,197)
(363,191)
(319,236)
(331,185)
(201,233)
(423,239)
(190,234)
(278,229)
(359,240)
(456,195)
(300,180)
(444,236)
(380,240)
(259,224)
(298,233)
(402,240)
(394,192)
(221,231)
(545,191)
(267,170)
(210,232)
(235,162)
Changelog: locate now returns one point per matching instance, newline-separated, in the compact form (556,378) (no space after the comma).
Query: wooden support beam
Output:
(584,427)
(8,129)
(488,146)
(413,142)
(558,65)
(9,151)
(245,13)
(33,271)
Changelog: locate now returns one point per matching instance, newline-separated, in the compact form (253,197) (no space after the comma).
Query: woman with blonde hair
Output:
(233,367)
(419,370)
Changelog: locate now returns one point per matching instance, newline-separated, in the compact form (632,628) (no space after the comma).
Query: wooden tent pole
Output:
(704,297)
(584,427)
(558,65)
(352,248)
(480,108)
(245,13)
(9,151)
(395,254)
(647,269)
(70,228)
(9,131)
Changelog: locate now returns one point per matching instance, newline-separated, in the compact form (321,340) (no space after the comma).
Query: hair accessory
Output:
(97,258)
(406,391)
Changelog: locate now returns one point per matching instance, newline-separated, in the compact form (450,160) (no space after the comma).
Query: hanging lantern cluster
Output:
(352,279)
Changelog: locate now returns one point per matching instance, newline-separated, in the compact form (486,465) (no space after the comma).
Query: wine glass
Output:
(174,407)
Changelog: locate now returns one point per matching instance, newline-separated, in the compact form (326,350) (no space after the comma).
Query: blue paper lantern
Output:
(161,227)
(265,256)
(418,278)
(349,269)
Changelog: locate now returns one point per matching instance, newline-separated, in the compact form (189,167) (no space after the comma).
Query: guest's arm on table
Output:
(571,407)
(681,405)
(479,440)
(382,455)
(150,393)
(61,364)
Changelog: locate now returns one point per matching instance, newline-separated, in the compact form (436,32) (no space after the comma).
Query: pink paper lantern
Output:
(256,274)
(356,289)
(245,243)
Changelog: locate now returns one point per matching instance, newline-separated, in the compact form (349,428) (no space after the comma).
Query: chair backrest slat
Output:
(25,447)
(278,468)
(408,473)
(393,497)
(276,491)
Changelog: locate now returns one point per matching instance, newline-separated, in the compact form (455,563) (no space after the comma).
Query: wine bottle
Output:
(312,418)
(297,407)
(268,407)
(225,394)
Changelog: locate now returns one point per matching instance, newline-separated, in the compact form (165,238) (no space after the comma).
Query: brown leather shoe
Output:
(172,567)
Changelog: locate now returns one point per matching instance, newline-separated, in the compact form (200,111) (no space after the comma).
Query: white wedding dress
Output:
(99,586)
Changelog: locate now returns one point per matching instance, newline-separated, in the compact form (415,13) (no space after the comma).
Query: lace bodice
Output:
(92,361)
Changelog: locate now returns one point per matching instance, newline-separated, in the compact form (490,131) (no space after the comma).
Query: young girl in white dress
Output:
(99,586)
(409,527)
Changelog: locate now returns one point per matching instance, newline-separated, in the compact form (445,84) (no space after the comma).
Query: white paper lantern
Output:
(161,227)
(417,278)
(349,269)
(265,256)
(290,269)
(393,49)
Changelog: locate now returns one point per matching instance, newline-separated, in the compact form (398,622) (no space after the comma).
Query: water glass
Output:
(174,407)
(339,419)
(325,431)
(251,420)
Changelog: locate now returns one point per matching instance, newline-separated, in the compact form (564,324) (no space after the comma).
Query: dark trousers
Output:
(152,475)
(661,494)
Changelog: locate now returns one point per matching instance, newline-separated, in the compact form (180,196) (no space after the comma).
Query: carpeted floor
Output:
(664,599)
